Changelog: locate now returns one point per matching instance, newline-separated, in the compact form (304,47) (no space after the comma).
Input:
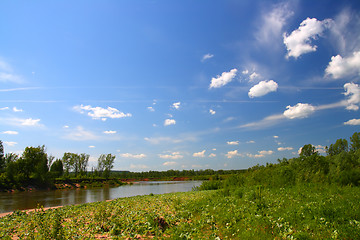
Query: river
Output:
(27,200)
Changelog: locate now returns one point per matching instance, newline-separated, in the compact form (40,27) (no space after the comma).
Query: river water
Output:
(26,200)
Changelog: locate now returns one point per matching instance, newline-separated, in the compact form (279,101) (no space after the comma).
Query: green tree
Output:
(2,157)
(341,145)
(355,142)
(83,163)
(308,150)
(35,163)
(56,168)
(105,164)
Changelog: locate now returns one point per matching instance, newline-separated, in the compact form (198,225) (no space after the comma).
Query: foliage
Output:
(105,164)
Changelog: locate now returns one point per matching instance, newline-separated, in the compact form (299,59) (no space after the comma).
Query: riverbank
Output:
(249,212)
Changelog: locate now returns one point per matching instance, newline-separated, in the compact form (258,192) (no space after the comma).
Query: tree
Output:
(105,164)
(308,150)
(355,142)
(2,158)
(34,163)
(83,163)
(341,145)
(56,168)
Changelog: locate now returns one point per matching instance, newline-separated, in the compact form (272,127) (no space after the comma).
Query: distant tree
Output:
(355,142)
(83,163)
(341,145)
(56,168)
(2,158)
(68,162)
(105,164)
(308,150)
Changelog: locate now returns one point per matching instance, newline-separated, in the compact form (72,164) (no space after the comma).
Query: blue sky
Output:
(179,84)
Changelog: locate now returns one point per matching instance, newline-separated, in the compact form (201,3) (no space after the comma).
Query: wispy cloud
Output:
(199,154)
(130,155)
(7,73)
(173,155)
(10,144)
(176,105)
(10,132)
(80,134)
(206,57)
(109,132)
(169,122)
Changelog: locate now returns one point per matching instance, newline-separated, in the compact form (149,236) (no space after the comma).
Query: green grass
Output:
(298,212)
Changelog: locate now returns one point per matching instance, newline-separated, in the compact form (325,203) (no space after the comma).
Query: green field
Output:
(296,212)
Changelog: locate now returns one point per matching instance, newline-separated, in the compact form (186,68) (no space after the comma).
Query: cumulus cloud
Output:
(352,90)
(340,67)
(212,112)
(300,110)
(101,113)
(285,149)
(299,41)
(353,122)
(176,105)
(233,143)
(263,88)
(232,154)
(224,79)
(92,146)
(10,144)
(199,154)
(207,56)
(211,155)
(173,155)
(130,155)
(10,132)
(260,154)
(169,122)
(109,132)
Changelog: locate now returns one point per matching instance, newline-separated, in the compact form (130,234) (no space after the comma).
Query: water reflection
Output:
(26,200)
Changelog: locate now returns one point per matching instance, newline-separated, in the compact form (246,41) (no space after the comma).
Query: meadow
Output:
(251,212)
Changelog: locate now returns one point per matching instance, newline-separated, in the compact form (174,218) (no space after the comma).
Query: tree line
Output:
(35,167)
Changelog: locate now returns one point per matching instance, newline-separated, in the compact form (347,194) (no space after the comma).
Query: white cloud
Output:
(232,154)
(299,41)
(174,155)
(233,143)
(29,122)
(245,72)
(10,132)
(66,126)
(207,56)
(91,146)
(151,109)
(352,90)
(353,122)
(224,79)
(340,67)
(261,154)
(285,149)
(170,163)
(251,141)
(109,132)
(169,122)
(7,73)
(176,105)
(276,137)
(80,134)
(10,144)
(266,122)
(300,110)
(4,108)
(212,112)
(158,140)
(199,154)
(263,88)
(17,110)
(272,23)
(320,149)
(130,155)
(101,113)
(211,155)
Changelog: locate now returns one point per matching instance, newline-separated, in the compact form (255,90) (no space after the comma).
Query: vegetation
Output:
(309,197)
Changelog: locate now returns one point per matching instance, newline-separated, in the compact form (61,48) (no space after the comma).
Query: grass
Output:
(252,212)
